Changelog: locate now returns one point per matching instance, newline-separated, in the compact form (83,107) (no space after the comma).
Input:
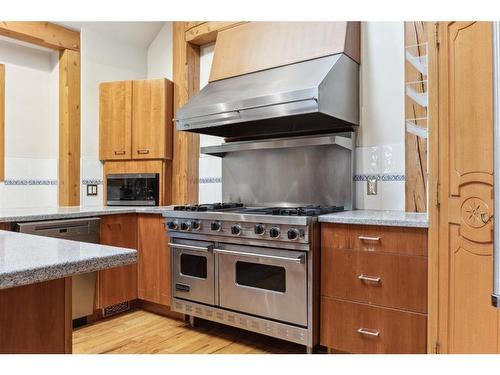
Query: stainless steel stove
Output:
(254,268)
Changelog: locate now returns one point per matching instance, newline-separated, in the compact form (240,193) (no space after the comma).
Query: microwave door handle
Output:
(189,247)
(301,259)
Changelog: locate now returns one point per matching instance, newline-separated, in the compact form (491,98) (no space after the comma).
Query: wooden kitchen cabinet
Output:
(119,284)
(153,267)
(115,120)
(135,120)
(373,289)
(152,119)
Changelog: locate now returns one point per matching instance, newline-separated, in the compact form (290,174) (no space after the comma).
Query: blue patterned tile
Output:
(379,177)
(12,182)
(92,181)
(210,180)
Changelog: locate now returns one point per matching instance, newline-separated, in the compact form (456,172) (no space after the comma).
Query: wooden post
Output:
(186,75)
(69,128)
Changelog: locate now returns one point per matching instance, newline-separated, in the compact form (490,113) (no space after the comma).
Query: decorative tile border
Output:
(92,181)
(379,177)
(29,182)
(23,182)
(210,180)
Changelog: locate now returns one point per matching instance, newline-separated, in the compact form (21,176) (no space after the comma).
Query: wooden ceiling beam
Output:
(45,34)
(201,33)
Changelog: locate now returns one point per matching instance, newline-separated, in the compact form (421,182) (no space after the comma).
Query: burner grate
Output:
(297,211)
(208,207)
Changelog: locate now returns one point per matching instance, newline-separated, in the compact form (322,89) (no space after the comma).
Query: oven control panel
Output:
(245,229)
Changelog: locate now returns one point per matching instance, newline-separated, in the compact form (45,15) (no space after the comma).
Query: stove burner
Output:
(297,211)
(208,207)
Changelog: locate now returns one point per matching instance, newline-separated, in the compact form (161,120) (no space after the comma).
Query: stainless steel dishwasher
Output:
(83,230)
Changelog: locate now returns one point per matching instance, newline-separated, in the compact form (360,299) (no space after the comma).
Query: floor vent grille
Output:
(115,309)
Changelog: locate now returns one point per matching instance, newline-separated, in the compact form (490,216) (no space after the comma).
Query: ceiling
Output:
(136,33)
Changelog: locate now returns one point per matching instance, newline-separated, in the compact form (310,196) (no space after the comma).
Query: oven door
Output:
(193,272)
(266,282)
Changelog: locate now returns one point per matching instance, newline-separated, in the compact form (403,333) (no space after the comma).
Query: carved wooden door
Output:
(467,321)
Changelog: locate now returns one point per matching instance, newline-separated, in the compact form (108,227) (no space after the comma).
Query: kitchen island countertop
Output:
(378,217)
(27,259)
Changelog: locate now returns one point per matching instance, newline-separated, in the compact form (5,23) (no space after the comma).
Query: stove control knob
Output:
(195,224)
(186,225)
(216,226)
(172,224)
(259,229)
(236,229)
(293,233)
(274,232)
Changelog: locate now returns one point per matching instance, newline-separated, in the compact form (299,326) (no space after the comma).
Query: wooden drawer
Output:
(399,240)
(402,280)
(393,331)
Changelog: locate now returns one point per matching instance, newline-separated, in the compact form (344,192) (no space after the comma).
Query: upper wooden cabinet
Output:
(136,120)
(256,46)
(152,119)
(115,120)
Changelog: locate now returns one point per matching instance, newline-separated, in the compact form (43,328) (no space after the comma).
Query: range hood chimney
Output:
(318,95)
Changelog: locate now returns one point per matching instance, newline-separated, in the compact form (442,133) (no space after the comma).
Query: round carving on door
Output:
(475,212)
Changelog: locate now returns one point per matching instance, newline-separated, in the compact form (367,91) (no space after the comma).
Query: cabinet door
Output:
(153,269)
(118,284)
(152,119)
(115,120)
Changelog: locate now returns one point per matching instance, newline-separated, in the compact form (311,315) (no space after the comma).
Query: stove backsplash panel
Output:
(319,175)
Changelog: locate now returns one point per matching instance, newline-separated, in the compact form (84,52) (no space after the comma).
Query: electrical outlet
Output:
(91,189)
(371,185)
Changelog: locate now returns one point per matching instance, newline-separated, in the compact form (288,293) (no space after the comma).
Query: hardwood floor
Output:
(141,332)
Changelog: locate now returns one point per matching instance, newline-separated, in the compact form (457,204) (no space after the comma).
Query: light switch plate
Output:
(91,189)
(371,185)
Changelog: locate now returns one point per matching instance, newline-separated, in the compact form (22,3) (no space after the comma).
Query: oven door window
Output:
(194,266)
(261,276)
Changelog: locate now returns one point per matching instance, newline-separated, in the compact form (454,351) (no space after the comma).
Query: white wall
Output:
(31,125)
(381,134)
(380,141)
(103,58)
(160,56)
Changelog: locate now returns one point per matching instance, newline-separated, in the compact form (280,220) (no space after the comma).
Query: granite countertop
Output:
(53,213)
(28,259)
(378,217)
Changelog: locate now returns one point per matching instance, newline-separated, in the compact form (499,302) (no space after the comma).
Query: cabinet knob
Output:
(119,152)
(143,152)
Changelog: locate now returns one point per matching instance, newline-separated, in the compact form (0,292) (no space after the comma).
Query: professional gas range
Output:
(254,268)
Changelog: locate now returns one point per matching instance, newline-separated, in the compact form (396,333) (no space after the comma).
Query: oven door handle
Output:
(301,259)
(189,247)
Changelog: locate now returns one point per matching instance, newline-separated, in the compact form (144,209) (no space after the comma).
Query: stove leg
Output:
(191,321)
(309,350)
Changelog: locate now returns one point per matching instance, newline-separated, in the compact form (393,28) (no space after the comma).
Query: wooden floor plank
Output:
(141,332)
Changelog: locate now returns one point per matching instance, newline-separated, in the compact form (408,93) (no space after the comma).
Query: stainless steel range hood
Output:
(309,97)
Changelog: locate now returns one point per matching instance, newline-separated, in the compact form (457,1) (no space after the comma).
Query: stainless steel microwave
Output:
(140,189)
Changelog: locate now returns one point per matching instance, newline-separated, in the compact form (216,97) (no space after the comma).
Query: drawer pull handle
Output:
(119,152)
(143,152)
(370,279)
(368,332)
(366,238)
